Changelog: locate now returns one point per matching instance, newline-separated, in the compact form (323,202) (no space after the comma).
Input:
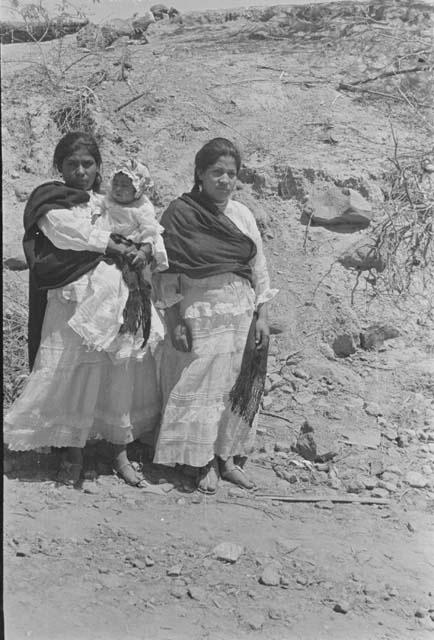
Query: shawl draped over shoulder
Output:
(201,241)
(50,267)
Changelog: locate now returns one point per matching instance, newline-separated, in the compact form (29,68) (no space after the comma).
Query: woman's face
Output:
(218,180)
(79,170)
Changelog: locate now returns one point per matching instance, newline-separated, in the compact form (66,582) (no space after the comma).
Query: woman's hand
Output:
(179,331)
(142,256)
(262,336)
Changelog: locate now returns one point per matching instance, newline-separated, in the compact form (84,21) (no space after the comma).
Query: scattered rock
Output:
(266,402)
(228,551)
(355,486)
(325,504)
(300,373)
(90,487)
(23,551)
(270,576)
(416,480)
(255,620)
(306,445)
(373,409)
(22,192)
(15,263)
(421,612)
(343,606)
(411,527)
(197,593)
(178,591)
(363,256)
(286,546)
(370,483)
(380,493)
(389,486)
(236,492)
(375,336)
(344,345)
(174,571)
(284,447)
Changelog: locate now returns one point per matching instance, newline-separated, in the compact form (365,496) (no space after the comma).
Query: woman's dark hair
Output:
(210,153)
(70,143)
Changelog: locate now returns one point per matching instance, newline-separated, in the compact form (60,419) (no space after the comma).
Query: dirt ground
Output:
(108,561)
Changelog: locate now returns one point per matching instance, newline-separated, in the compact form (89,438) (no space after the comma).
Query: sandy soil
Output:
(109,561)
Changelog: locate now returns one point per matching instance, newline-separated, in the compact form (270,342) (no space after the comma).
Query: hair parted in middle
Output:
(73,141)
(210,153)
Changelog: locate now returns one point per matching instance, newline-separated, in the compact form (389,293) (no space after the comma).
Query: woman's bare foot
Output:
(235,474)
(123,466)
(208,478)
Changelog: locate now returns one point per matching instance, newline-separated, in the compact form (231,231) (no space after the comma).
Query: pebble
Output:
(411,527)
(255,620)
(415,479)
(270,576)
(389,486)
(139,564)
(286,546)
(343,606)
(421,612)
(380,493)
(197,498)
(149,562)
(23,551)
(228,551)
(373,409)
(325,504)
(355,486)
(300,373)
(174,571)
(395,470)
(178,591)
(427,469)
(370,483)
(197,593)
(90,487)
(181,501)
(281,446)
(267,402)
(236,492)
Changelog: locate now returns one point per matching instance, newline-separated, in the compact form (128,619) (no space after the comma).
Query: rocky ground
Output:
(337,540)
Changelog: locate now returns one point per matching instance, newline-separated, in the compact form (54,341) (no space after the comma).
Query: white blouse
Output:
(168,284)
(73,228)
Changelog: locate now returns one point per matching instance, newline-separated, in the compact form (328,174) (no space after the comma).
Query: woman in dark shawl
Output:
(74,394)
(214,356)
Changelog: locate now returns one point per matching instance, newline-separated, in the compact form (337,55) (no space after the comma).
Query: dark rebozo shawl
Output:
(201,241)
(50,267)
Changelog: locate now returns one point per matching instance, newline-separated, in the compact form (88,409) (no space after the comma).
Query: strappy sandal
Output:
(237,476)
(138,482)
(69,473)
(128,474)
(202,484)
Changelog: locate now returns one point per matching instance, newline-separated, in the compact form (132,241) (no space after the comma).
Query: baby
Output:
(126,211)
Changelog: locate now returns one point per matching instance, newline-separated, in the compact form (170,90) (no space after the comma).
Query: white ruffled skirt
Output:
(197,419)
(74,394)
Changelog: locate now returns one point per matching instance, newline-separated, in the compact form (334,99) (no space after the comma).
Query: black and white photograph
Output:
(218,319)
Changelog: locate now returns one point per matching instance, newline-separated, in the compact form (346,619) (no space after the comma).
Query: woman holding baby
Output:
(92,326)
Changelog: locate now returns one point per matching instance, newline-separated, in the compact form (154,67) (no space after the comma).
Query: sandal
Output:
(128,474)
(205,475)
(69,473)
(237,476)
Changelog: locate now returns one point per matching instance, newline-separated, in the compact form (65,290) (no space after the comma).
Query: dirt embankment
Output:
(331,107)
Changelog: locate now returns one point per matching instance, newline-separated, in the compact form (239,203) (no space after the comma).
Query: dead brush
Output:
(404,236)
(77,112)
(15,368)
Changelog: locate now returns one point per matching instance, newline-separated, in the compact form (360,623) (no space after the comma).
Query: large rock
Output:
(363,256)
(337,209)
(374,336)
